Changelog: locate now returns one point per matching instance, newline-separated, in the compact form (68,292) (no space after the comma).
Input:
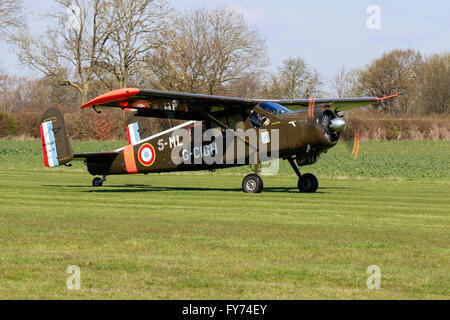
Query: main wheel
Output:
(97,182)
(308,183)
(252,184)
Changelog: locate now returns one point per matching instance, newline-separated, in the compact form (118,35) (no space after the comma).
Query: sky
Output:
(328,34)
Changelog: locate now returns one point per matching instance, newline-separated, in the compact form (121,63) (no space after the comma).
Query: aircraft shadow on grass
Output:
(130,188)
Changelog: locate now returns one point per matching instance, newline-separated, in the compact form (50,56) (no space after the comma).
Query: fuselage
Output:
(265,134)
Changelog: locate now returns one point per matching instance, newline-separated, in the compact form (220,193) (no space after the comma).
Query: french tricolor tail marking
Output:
(49,145)
(133,133)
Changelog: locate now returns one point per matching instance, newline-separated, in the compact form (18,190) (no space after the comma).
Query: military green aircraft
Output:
(256,124)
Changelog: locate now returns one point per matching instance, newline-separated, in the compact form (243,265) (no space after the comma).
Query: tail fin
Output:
(55,141)
(138,128)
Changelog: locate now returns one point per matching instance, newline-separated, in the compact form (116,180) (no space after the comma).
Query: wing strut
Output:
(222,125)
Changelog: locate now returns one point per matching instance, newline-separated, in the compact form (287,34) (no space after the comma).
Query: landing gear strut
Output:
(307,182)
(98,182)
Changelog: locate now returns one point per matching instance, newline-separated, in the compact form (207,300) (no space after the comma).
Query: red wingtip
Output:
(115,95)
(388,97)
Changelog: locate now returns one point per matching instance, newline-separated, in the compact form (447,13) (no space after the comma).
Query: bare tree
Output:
(3,79)
(10,88)
(343,83)
(245,87)
(206,50)
(73,45)
(10,16)
(294,80)
(138,25)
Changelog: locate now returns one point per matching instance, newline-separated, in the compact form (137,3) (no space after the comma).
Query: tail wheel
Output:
(97,182)
(308,183)
(252,184)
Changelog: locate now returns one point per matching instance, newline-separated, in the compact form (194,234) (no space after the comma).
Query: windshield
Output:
(274,108)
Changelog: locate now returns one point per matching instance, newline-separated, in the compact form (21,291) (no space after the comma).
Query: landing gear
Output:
(98,182)
(306,182)
(252,183)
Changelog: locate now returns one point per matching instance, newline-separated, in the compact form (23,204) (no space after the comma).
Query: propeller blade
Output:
(355,150)
(351,137)
(311,104)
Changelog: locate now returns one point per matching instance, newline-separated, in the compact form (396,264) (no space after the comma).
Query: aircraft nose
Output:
(337,124)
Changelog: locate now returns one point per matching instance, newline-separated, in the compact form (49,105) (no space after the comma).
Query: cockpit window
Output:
(274,108)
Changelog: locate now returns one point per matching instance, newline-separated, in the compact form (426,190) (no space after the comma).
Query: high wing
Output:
(189,106)
(340,104)
(173,105)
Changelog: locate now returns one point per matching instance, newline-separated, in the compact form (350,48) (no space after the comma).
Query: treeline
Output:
(111,44)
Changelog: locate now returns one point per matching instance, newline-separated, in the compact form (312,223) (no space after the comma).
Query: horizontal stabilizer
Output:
(95,154)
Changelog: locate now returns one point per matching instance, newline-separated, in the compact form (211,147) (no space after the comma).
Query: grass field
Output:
(185,236)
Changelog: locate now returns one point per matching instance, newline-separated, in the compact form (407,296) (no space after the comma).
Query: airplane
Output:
(296,136)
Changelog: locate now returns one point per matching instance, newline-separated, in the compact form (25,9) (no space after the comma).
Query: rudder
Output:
(56,146)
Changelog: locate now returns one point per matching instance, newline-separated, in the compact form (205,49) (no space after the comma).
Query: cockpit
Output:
(274,108)
(259,120)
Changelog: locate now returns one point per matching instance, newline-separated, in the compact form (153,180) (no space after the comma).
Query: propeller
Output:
(335,127)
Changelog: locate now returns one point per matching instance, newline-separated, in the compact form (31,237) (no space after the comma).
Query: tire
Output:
(308,183)
(97,182)
(252,184)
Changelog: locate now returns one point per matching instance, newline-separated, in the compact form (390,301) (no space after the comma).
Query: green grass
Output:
(176,236)
(396,159)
